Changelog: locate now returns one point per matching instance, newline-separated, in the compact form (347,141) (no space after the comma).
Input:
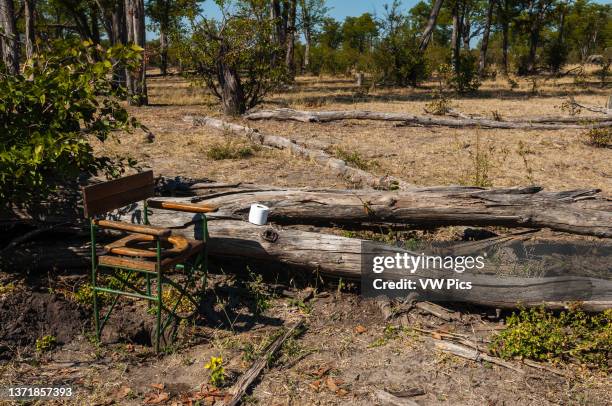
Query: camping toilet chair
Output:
(145,249)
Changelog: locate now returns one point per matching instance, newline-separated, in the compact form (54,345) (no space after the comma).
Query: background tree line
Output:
(259,44)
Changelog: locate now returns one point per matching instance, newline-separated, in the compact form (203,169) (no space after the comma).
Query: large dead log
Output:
(335,165)
(544,119)
(577,211)
(326,116)
(341,256)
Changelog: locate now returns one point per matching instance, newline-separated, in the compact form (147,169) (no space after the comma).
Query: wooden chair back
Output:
(107,196)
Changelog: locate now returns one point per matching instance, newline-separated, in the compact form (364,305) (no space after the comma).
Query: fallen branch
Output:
(437,310)
(594,109)
(409,119)
(545,119)
(337,166)
(387,399)
(242,385)
(473,355)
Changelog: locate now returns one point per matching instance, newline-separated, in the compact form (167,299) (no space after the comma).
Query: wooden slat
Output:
(106,196)
(134,228)
(181,206)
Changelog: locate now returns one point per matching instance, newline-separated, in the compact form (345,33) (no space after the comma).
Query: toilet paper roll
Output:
(258,214)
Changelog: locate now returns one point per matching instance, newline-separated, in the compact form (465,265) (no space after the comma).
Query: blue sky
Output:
(339,8)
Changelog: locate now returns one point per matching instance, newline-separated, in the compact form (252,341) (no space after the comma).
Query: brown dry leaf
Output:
(158,386)
(316,385)
(156,398)
(437,336)
(342,392)
(360,329)
(129,348)
(319,372)
(331,384)
(122,392)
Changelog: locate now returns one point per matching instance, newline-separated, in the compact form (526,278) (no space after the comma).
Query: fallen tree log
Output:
(335,165)
(408,119)
(578,211)
(342,257)
(544,119)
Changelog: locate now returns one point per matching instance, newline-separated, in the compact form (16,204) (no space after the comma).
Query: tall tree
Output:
(29,7)
(482,63)
(431,24)
(136,77)
(9,38)
(312,13)
(290,38)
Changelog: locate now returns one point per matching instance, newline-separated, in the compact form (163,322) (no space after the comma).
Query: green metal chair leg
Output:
(159,298)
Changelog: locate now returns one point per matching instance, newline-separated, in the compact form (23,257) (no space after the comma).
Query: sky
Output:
(339,9)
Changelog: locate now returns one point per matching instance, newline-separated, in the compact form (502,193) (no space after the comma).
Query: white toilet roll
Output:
(258,214)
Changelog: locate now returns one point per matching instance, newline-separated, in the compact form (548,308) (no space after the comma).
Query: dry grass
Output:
(423,156)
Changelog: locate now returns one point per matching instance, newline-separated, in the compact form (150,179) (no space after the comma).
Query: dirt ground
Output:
(347,349)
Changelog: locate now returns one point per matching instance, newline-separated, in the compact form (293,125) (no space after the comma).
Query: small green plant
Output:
(258,292)
(523,151)
(389,333)
(353,158)
(441,103)
(229,150)
(8,288)
(571,335)
(481,161)
(172,299)
(45,343)
(217,372)
(599,137)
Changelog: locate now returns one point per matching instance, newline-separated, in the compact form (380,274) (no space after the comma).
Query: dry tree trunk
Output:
(326,116)
(30,26)
(578,211)
(136,79)
(431,24)
(9,37)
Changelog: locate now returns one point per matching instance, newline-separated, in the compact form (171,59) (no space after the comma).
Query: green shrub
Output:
(48,113)
(600,137)
(466,80)
(229,150)
(46,343)
(571,335)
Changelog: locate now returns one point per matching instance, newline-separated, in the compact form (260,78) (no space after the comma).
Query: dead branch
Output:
(244,382)
(387,399)
(410,119)
(473,355)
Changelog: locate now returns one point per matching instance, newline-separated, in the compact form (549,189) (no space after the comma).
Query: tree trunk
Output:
(290,38)
(535,123)
(136,79)
(118,36)
(431,25)
(232,94)
(9,38)
(485,41)
(455,37)
(505,38)
(29,9)
(95,27)
(307,40)
(163,51)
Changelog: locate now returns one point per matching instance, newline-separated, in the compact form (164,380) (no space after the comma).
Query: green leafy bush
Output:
(466,80)
(600,137)
(572,335)
(46,343)
(49,112)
